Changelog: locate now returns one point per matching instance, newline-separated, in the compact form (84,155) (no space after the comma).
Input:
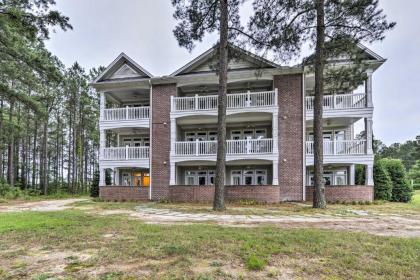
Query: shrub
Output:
(360,175)
(401,189)
(383,183)
(254,262)
(94,188)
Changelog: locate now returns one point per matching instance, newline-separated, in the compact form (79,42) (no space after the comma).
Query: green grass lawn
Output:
(76,245)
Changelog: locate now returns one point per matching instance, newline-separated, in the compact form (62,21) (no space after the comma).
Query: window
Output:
(236,135)
(341,178)
(126,179)
(248,177)
(211,177)
(190,177)
(212,136)
(261,177)
(202,178)
(236,177)
(199,177)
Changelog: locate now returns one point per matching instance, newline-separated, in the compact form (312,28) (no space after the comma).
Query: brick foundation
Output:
(343,193)
(269,194)
(123,193)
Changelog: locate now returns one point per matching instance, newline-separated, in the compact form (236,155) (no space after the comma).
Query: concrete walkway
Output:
(384,225)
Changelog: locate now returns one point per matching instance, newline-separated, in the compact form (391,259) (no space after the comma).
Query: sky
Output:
(142,29)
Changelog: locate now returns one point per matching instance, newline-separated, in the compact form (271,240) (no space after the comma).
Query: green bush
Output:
(254,262)
(383,183)
(360,175)
(401,189)
(94,188)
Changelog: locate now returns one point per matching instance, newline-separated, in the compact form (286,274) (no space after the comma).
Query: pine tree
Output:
(196,18)
(401,190)
(383,183)
(335,28)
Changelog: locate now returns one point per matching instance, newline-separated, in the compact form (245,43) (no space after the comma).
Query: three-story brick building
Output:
(158,134)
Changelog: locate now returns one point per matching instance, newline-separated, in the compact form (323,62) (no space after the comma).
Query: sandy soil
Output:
(383,225)
(43,206)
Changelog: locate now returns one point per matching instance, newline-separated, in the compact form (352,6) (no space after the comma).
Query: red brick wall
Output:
(123,193)
(344,193)
(160,139)
(269,194)
(291,144)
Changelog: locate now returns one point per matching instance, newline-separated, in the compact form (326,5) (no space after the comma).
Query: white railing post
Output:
(334,101)
(102,142)
(126,113)
(276,93)
(368,88)
(248,96)
(369,135)
(102,105)
(334,148)
(275,132)
(126,152)
(275,172)
(196,102)
(196,147)
(248,145)
(172,103)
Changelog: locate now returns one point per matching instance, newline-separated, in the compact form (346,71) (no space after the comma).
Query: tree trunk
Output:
(34,155)
(11,150)
(44,160)
(219,198)
(1,140)
(319,195)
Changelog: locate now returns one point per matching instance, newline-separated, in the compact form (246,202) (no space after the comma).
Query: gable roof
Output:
(202,62)
(123,67)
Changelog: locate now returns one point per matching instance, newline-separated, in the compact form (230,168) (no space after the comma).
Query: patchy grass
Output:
(377,207)
(77,245)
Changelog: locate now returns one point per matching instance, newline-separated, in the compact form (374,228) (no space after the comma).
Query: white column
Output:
(368,87)
(173,136)
(101,176)
(369,175)
(275,133)
(102,142)
(352,174)
(117,176)
(101,104)
(275,172)
(369,135)
(172,174)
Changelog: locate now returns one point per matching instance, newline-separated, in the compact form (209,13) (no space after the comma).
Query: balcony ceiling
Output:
(130,130)
(236,118)
(198,163)
(129,95)
(256,85)
(335,122)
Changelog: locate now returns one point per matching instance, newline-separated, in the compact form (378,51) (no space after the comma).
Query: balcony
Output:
(338,105)
(340,147)
(233,147)
(125,117)
(234,101)
(125,153)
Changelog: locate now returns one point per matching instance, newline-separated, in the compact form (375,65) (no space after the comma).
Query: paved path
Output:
(386,225)
(44,205)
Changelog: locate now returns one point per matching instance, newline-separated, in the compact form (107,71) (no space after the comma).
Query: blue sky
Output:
(143,30)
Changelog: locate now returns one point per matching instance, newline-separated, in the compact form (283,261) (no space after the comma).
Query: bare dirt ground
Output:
(383,225)
(43,206)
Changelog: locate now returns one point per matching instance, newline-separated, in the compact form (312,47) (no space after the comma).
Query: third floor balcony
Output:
(234,101)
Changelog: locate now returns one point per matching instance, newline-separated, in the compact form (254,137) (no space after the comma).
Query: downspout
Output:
(151,140)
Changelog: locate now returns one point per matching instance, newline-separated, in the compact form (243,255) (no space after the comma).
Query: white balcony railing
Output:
(127,113)
(125,153)
(340,147)
(233,147)
(234,101)
(339,101)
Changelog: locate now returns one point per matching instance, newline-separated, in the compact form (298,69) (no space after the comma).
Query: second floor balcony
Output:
(126,113)
(245,100)
(339,147)
(233,147)
(125,153)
